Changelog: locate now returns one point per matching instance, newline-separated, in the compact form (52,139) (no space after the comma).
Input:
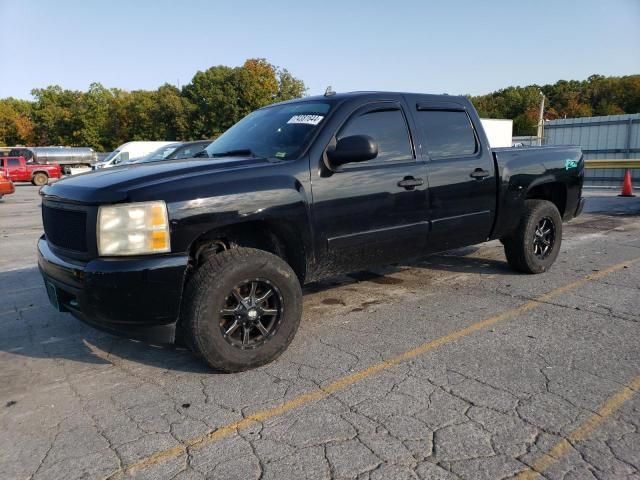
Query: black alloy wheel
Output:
(544,238)
(241,309)
(534,245)
(252,313)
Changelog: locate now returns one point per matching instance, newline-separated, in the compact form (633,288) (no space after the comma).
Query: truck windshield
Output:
(281,131)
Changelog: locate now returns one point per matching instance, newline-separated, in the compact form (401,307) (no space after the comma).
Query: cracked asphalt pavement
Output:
(449,367)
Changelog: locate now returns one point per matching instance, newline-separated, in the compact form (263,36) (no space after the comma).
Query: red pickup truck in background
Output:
(6,185)
(18,170)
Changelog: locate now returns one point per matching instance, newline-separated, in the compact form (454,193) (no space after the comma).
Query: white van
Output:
(129,151)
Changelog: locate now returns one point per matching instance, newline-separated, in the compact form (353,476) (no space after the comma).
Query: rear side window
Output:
(447,133)
(388,128)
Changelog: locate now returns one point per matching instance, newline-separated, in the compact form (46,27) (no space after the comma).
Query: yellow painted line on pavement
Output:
(307,398)
(554,455)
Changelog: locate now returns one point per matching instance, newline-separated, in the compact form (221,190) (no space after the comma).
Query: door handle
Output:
(409,183)
(479,174)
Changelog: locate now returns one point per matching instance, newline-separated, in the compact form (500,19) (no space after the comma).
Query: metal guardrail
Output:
(599,164)
(610,173)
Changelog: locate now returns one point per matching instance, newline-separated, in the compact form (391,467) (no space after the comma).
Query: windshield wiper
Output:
(234,153)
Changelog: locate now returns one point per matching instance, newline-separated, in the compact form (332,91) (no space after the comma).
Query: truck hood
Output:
(113,185)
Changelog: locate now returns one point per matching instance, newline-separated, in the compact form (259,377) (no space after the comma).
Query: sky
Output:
(430,46)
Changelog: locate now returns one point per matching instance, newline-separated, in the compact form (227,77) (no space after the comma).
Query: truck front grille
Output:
(65,228)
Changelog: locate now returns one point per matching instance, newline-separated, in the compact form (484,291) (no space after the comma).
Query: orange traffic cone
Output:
(627,186)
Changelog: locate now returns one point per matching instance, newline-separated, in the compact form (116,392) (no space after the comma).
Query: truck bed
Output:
(520,170)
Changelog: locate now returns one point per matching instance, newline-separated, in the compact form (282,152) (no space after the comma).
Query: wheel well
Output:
(44,172)
(278,238)
(554,192)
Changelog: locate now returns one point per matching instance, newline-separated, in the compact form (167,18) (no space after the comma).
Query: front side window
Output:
(281,131)
(387,128)
(447,133)
(12,162)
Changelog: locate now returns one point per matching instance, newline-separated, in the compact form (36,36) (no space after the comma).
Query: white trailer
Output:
(129,151)
(499,131)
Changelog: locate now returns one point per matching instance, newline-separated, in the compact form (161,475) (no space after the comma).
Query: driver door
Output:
(372,212)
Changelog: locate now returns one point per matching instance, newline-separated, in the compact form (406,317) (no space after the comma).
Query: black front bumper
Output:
(133,297)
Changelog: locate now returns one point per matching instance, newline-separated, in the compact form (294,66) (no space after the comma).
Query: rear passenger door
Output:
(462,182)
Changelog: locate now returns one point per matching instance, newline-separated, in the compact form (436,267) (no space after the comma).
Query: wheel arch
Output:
(280,237)
(551,190)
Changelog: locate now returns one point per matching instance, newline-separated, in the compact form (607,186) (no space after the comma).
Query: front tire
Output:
(535,244)
(241,309)
(40,179)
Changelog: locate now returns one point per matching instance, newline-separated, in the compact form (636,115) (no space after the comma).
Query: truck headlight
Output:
(133,229)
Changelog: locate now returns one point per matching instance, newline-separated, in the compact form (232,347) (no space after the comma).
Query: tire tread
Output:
(215,267)
(516,244)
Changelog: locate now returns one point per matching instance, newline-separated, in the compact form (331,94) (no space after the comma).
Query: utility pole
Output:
(541,120)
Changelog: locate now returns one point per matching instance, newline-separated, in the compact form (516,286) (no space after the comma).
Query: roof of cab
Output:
(360,94)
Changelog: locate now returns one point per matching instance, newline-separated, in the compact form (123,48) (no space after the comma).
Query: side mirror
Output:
(356,148)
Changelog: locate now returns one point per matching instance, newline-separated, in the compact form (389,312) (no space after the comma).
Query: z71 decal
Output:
(568,163)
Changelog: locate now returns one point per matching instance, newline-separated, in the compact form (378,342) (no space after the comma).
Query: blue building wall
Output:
(601,138)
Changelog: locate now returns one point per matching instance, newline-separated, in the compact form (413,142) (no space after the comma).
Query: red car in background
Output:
(19,170)
(6,185)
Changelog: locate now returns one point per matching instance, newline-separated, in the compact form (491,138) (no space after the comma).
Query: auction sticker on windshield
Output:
(306,119)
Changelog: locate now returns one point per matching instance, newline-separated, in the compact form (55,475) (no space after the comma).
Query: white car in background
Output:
(129,151)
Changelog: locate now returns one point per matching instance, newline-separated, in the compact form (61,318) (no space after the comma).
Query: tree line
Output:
(103,118)
(216,98)
(598,95)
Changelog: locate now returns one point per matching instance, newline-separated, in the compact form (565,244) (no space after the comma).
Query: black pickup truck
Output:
(213,251)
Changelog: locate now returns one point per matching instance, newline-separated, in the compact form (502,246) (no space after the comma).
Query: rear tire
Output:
(535,244)
(40,179)
(222,302)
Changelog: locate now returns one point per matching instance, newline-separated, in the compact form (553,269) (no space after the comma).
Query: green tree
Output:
(171,114)
(214,97)
(53,115)
(289,87)
(105,118)
(92,110)
(16,126)
(598,95)
(256,84)
(220,96)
